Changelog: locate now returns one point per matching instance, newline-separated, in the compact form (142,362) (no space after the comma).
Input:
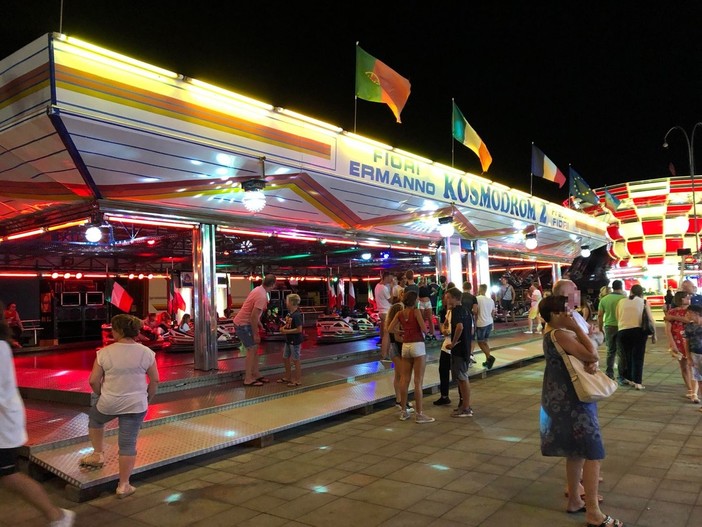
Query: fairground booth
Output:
(654,232)
(186,187)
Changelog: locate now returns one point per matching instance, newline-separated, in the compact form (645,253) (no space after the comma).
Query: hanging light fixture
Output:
(530,241)
(446,229)
(585,251)
(94,229)
(93,234)
(254,199)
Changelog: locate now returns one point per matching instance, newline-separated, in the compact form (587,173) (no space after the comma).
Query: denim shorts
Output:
(395,349)
(696,366)
(482,334)
(245,335)
(291,350)
(129,426)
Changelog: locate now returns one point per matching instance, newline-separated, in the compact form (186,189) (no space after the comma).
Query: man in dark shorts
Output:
(461,322)
(507,295)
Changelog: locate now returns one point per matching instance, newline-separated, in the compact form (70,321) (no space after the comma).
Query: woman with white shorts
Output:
(425,308)
(413,355)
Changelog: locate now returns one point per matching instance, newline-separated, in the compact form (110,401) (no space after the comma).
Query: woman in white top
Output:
(118,379)
(631,339)
(13,434)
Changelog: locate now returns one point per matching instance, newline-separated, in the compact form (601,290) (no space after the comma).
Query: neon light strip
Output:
(35,232)
(67,225)
(135,65)
(146,221)
(20,274)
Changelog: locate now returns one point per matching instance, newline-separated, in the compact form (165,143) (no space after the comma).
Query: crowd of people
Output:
(411,312)
(125,378)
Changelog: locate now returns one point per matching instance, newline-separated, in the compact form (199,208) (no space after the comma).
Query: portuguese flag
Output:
(376,82)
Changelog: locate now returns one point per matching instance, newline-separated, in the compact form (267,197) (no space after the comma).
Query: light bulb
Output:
(446,230)
(254,201)
(531,243)
(93,234)
(585,251)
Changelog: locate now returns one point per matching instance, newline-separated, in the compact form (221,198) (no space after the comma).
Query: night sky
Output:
(593,84)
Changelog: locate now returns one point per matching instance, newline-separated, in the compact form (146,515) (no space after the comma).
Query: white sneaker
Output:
(404,416)
(528,332)
(421,419)
(67,520)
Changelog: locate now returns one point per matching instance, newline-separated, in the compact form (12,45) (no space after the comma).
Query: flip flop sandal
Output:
(608,522)
(283,381)
(581,509)
(293,384)
(255,383)
(125,493)
(263,379)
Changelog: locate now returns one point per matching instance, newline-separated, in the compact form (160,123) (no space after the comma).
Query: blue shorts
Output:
(395,349)
(292,350)
(696,366)
(482,334)
(245,335)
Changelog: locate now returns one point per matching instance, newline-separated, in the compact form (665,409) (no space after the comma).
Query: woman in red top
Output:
(413,355)
(675,320)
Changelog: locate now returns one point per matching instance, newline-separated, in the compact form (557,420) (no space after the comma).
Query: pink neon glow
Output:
(145,221)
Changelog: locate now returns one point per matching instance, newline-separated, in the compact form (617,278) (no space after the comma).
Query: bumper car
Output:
(333,328)
(226,337)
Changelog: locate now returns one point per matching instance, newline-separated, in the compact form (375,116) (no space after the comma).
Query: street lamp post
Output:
(690,141)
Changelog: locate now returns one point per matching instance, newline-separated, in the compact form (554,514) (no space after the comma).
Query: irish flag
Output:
(376,82)
(542,166)
(340,294)
(464,134)
(331,301)
(351,302)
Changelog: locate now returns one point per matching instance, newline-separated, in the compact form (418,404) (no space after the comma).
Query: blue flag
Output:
(580,190)
(611,202)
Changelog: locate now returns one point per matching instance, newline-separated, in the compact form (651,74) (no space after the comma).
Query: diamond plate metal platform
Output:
(198,421)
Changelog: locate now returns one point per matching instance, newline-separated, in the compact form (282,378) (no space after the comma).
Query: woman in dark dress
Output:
(570,428)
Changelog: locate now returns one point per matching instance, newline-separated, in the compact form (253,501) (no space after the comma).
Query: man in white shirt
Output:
(533,295)
(382,295)
(483,324)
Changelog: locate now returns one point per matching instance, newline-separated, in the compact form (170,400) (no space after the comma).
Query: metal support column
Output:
(482,265)
(453,260)
(204,284)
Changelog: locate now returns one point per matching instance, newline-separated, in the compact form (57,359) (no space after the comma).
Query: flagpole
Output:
(531,175)
(355,96)
(453,143)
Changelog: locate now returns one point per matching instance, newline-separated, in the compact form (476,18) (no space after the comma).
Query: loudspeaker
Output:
(684,252)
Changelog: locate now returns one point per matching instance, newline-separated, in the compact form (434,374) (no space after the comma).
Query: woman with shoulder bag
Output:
(631,338)
(569,427)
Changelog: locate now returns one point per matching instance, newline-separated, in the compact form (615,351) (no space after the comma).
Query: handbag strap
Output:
(643,314)
(571,370)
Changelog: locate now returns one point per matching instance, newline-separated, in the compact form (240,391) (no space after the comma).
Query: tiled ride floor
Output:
(375,470)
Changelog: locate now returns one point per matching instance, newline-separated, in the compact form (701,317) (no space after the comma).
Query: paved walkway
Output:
(375,470)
